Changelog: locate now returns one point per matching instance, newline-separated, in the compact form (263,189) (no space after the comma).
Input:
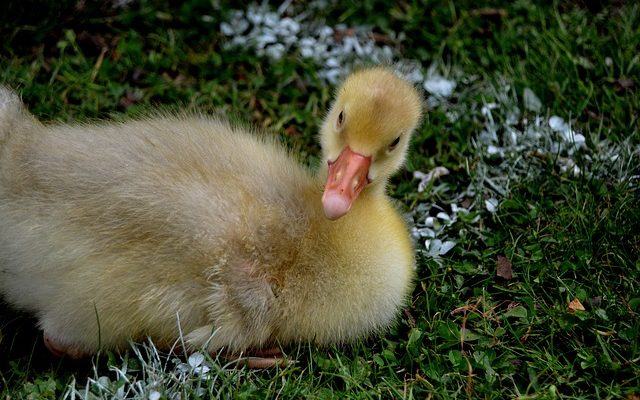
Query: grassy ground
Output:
(571,239)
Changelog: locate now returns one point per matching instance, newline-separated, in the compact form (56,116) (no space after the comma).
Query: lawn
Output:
(523,182)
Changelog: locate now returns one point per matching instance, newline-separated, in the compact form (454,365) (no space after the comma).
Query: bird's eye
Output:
(394,144)
(340,120)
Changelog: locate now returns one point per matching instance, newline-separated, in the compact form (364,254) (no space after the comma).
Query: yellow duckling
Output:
(189,225)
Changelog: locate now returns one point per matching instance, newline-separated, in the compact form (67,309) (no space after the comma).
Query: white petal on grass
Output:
(486,109)
(433,102)
(271,20)
(446,247)
(424,232)
(331,75)
(494,150)
(154,395)
(183,368)
(195,360)
(254,16)
(238,41)
(332,62)
(275,51)
(439,86)
(531,101)
(435,173)
(414,75)
(457,209)
(513,116)
(325,32)
(567,134)
(202,370)
(444,216)
(568,165)
(574,138)
(452,116)
(306,52)
(226,29)
(289,26)
(513,136)
(258,28)
(433,247)
(265,39)
(104,382)
(519,151)
(557,124)
(576,170)
(436,248)
(532,133)
(419,175)
(491,204)
(579,139)
(308,42)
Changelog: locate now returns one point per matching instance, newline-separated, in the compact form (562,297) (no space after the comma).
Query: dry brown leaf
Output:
(341,34)
(466,203)
(381,38)
(623,84)
(130,98)
(291,131)
(410,319)
(575,305)
(593,114)
(488,12)
(504,268)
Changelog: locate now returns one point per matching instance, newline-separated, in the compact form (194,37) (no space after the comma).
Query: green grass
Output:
(467,332)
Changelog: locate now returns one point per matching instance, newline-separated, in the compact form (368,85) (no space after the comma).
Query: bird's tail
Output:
(13,115)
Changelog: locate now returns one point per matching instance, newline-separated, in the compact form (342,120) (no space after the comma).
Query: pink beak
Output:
(347,177)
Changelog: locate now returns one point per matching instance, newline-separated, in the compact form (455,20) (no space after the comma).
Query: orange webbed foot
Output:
(60,350)
(260,359)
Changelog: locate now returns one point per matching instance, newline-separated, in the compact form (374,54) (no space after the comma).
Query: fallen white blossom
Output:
(425,179)
(491,204)
(288,30)
(531,101)
(439,86)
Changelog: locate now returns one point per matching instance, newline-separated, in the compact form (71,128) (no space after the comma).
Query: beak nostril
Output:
(347,176)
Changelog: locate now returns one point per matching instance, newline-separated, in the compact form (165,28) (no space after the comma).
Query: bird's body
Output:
(186,225)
